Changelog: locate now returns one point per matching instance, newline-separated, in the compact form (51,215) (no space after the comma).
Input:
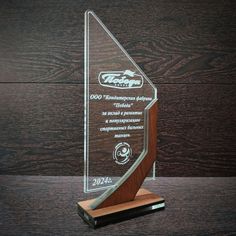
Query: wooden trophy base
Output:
(145,202)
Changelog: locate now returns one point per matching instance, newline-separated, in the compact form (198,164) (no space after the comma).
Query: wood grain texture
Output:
(173,42)
(143,197)
(33,205)
(42,130)
(126,191)
(187,48)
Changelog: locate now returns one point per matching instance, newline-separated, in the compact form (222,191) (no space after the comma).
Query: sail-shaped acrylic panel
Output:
(117,94)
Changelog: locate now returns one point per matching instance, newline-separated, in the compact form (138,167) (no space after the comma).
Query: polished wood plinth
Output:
(46,205)
(145,202)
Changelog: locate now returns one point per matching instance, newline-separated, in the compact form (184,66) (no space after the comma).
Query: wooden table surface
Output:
(35,205)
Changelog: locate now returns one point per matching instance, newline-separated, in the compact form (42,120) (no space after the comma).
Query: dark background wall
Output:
(187,48)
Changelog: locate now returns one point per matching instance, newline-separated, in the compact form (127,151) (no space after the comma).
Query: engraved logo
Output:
(122,153)
(120,79)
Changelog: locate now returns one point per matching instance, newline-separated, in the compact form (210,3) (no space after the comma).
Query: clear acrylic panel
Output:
(116,94)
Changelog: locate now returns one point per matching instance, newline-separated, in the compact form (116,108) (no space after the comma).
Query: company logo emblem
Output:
(120,79)
(122,153)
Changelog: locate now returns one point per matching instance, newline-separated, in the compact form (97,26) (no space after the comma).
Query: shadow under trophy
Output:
(120,130)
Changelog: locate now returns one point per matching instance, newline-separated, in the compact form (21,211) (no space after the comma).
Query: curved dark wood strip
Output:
(41,133)
(40,205)
(129,188)
(190,45)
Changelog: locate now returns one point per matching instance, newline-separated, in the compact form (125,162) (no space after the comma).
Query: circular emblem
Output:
(122,153)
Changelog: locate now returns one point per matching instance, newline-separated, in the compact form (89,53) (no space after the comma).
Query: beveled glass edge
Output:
(86,101)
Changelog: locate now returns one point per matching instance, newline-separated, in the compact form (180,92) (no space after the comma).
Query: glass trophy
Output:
(120,115)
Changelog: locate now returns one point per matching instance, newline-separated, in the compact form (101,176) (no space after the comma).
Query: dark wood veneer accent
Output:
(187,48)
(42,205)
(145,202)
(42,129)
(128,190)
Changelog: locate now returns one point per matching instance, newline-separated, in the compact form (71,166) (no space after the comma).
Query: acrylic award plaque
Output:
(120,132)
